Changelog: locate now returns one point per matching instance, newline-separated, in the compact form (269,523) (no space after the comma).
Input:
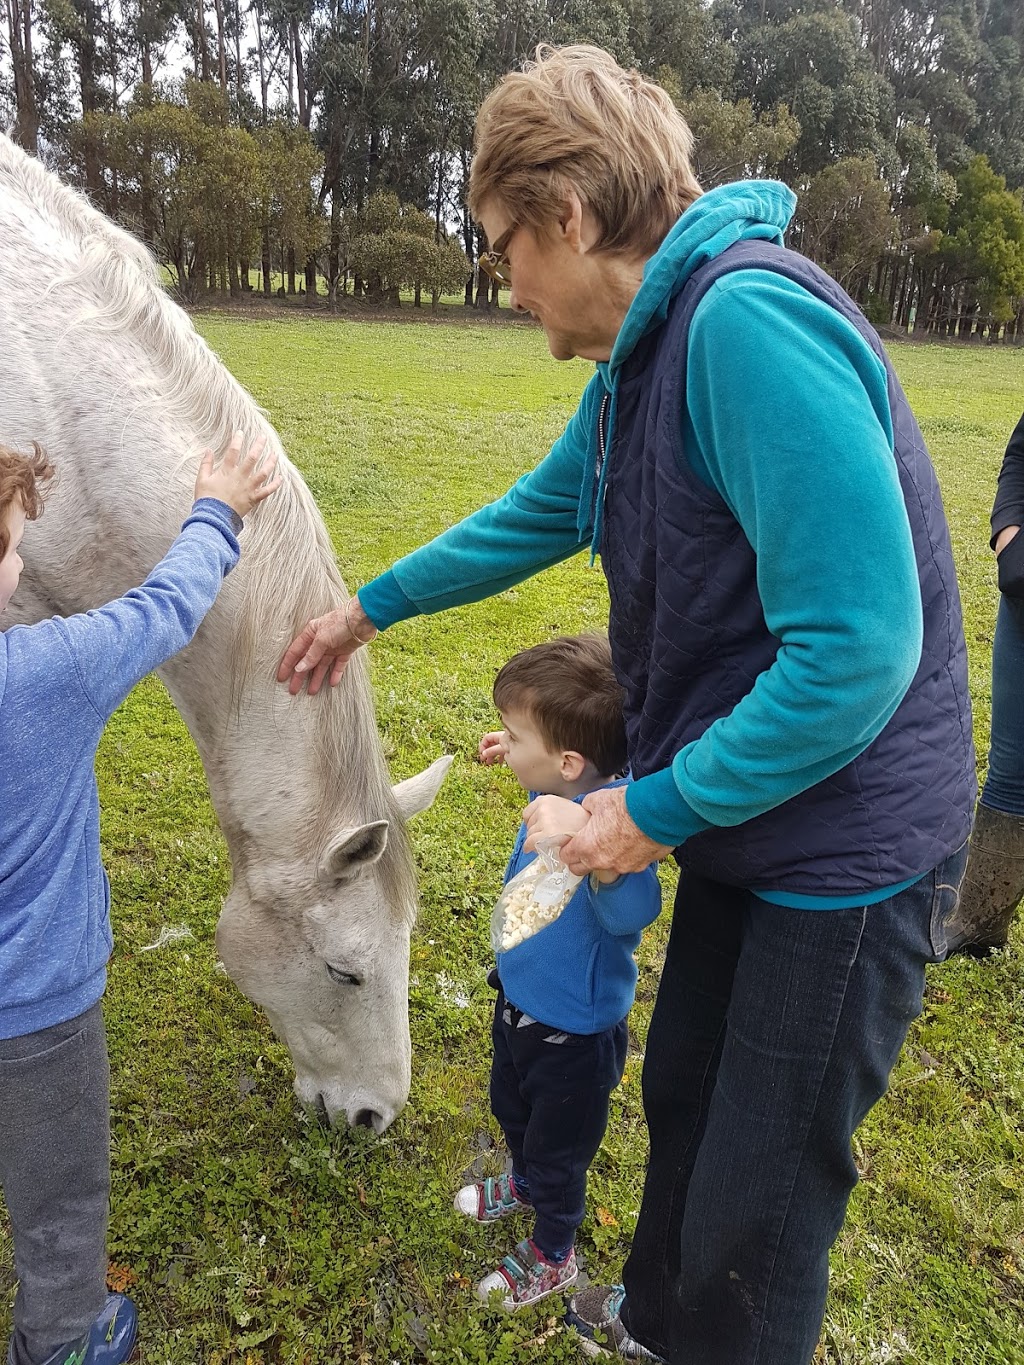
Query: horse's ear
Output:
(417,793)
(353,850)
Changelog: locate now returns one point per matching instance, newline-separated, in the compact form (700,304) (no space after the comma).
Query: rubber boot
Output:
(993,884)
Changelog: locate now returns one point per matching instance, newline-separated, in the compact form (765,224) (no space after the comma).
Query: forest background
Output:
(323,146)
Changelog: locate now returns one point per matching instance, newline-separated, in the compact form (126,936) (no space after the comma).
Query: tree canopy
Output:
(331,139)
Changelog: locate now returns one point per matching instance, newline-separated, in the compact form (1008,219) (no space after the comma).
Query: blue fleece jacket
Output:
(778,384)
(578,974)
(60,681)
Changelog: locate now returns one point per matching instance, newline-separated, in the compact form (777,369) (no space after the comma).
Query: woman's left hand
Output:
(610,841)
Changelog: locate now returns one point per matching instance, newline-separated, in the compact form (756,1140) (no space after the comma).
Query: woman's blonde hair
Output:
(573,119)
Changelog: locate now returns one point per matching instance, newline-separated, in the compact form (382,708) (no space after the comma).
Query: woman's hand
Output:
(491,748)
(1004,537)
(241,483)
(325,647)
(552,817)
(610,841)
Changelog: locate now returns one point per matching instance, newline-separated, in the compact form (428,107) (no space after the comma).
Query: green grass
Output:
(251,1236)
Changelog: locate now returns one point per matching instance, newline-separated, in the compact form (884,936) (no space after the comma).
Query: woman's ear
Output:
(570,221)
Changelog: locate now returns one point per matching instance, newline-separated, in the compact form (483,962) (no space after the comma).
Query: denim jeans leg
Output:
(1004,785)
(55,1172)
(819,1008)
(684,1044)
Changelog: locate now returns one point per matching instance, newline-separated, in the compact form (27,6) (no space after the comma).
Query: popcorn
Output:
(533,899)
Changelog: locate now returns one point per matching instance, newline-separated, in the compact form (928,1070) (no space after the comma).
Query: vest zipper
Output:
(602,449)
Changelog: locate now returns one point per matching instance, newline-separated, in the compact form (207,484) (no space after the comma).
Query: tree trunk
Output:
(334,248)
(417,298)
(300,75)
(222,62)
(291,270)
(311,280)
(19,28)
(265,263)
(199,38)
(495,294)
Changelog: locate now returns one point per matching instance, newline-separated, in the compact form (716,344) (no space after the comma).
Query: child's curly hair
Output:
(23,478)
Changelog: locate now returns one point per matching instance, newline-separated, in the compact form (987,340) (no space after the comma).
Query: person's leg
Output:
(683,1047)
(994,883)
(568,1085)
(821,1004)
(55,1174)
(1004,784)
(509,1105)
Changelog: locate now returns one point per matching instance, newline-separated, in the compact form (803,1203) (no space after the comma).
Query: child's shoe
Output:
(109,1341)
(526,1276)
(490,1199)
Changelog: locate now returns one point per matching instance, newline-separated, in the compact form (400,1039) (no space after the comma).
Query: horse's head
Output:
(325,951)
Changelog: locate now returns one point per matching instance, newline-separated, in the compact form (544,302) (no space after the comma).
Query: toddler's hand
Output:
(492,747)
(552,817)
(241,483)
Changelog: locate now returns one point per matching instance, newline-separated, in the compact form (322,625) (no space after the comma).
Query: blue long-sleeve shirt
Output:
(578,973)
(788,419)
(60,681)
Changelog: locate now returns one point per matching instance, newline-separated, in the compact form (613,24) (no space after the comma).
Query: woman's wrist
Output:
(360,626)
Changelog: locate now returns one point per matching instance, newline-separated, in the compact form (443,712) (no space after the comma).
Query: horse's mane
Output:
(292,574)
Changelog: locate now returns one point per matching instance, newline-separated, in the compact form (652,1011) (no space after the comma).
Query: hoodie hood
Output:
(727,214)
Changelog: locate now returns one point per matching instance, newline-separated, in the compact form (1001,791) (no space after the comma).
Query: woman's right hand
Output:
(1009,549)
(324,648)
(1004,537)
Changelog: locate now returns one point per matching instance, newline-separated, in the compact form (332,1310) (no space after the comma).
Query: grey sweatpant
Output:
(55,1174)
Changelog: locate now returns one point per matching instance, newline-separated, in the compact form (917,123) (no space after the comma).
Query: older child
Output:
(559,1029)
(60,681)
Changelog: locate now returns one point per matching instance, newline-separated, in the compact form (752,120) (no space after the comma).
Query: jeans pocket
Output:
(948,877)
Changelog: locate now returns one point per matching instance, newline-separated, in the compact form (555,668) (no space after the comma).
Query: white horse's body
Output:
(102,369)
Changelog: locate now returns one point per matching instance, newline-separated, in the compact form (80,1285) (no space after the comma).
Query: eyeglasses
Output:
(495,263)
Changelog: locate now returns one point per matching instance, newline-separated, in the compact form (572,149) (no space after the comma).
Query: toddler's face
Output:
(11,565)
(526,752)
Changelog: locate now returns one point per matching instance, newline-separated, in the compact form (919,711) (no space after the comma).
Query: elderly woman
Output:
(785,622)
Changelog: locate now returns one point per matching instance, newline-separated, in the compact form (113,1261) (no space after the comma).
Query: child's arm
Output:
(117,645)
(629,903)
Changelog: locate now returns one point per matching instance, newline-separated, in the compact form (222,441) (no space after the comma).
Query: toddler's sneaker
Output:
(527,1276)
(596,1313)
(109,1341)
(490,1199)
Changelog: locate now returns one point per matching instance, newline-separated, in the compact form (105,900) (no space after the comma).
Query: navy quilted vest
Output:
(689,638)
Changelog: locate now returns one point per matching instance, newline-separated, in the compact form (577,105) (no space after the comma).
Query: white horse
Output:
(110,376)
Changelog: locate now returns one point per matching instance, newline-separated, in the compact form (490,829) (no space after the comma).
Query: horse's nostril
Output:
(366,1118)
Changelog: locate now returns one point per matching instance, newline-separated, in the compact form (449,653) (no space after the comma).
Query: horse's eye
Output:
(342,978)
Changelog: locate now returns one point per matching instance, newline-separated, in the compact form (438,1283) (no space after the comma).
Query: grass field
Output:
(251,1237)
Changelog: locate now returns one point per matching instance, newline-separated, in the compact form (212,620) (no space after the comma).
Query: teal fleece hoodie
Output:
(788,420)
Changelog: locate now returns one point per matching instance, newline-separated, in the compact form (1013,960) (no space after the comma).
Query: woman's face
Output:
(574,293)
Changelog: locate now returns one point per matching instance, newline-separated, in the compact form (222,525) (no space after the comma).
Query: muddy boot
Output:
(993,884)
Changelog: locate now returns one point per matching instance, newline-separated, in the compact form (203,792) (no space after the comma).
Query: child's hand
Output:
(492,747)
(241,483)
(552,817)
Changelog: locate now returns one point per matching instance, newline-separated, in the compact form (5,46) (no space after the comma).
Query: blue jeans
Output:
(549,1092)
(774,1033)
(1004,786)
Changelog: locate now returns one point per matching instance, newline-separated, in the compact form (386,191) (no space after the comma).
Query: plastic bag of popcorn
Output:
(533,899)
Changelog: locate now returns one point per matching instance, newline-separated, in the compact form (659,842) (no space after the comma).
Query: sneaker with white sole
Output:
(527,1276)
(490,1199)
(595,1315)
